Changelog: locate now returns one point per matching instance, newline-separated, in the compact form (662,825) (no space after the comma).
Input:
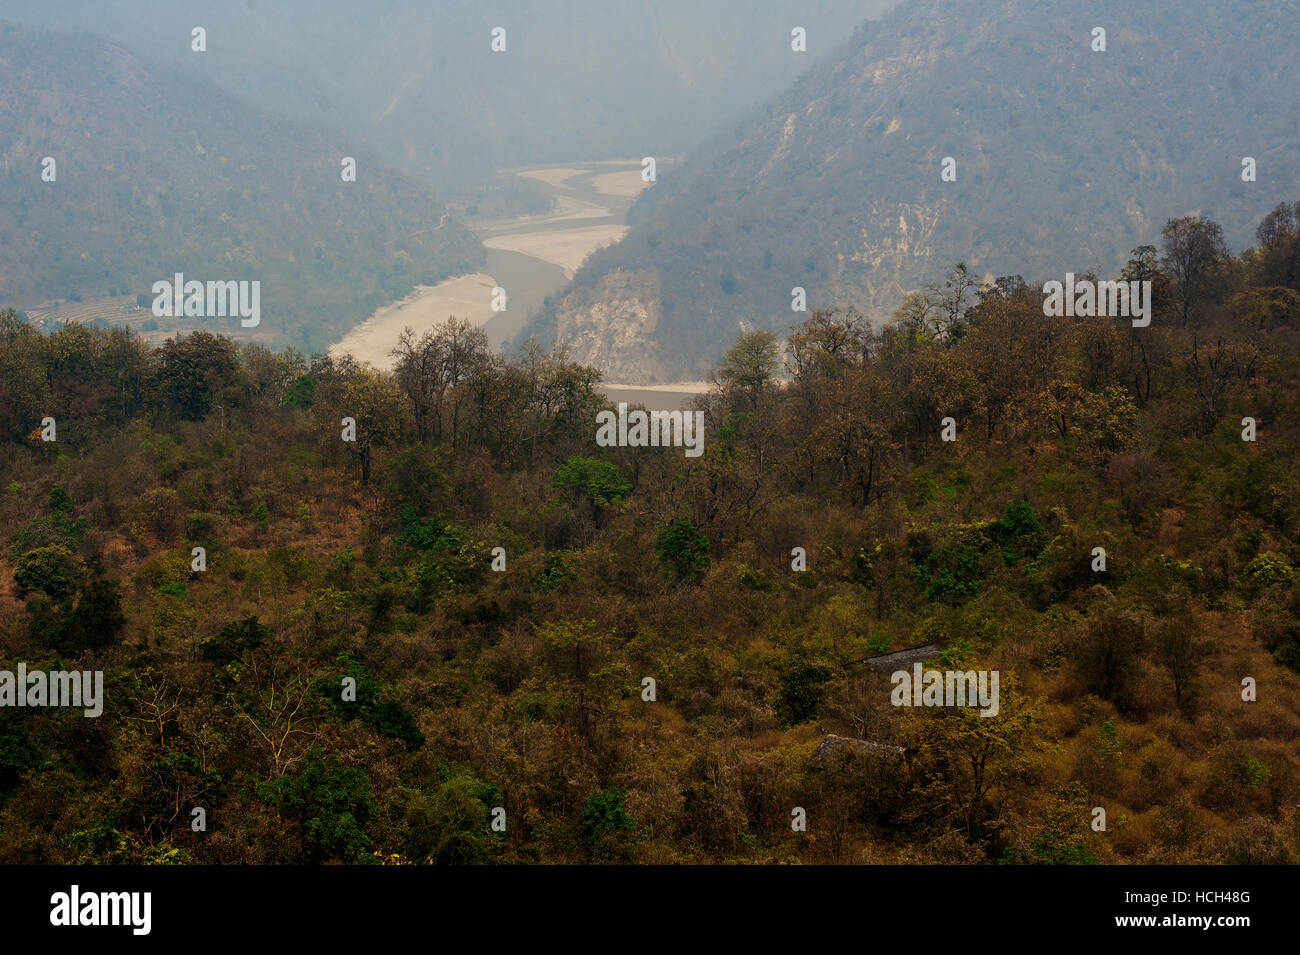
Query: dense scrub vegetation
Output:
(522,688)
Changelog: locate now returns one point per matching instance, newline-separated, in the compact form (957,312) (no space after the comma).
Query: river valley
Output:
(531,257)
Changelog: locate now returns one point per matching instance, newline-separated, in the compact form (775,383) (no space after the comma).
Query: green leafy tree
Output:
(19,752)
(951,572)
(597,484)
(802,687)
(973,758)
(192,370)
(683,551)
(24,385)
(747,369)
(54,571)
(1019,532)
(79,607)
(607,828)
(60,502)
(234,640)
(386,716)
(97,619)
(334,804)
(461,810)
(1107,645)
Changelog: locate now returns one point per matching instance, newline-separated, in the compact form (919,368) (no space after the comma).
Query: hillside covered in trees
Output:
(158,171)
(1062,153)
(521,686)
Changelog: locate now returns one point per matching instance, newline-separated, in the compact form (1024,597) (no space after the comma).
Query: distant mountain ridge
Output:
(418,82)
(159,171)
(1066,158)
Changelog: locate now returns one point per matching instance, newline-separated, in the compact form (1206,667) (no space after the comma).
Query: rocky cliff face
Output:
(1065,158)
(611,326)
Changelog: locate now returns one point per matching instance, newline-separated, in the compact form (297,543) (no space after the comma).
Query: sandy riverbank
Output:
(529,256)
(466,296)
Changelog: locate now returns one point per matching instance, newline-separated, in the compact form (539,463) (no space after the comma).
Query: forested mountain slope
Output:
(159,171)
(1066,159)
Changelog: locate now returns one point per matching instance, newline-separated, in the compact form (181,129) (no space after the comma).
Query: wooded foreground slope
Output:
(523,688)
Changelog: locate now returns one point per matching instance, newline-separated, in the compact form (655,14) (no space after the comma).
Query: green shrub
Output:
(683,551)
(607,828)
(879,644)
(596,481)
(18,752)
(387,717)
(557,568)
(1019,533)
(47,532)
(89,619)
(429,533)
(951,572)
(234,640)
(1265,570)
(200,527)
(333,803)
(753,578)
(160,570)
(802,687)
(1050,848)
(60,502)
